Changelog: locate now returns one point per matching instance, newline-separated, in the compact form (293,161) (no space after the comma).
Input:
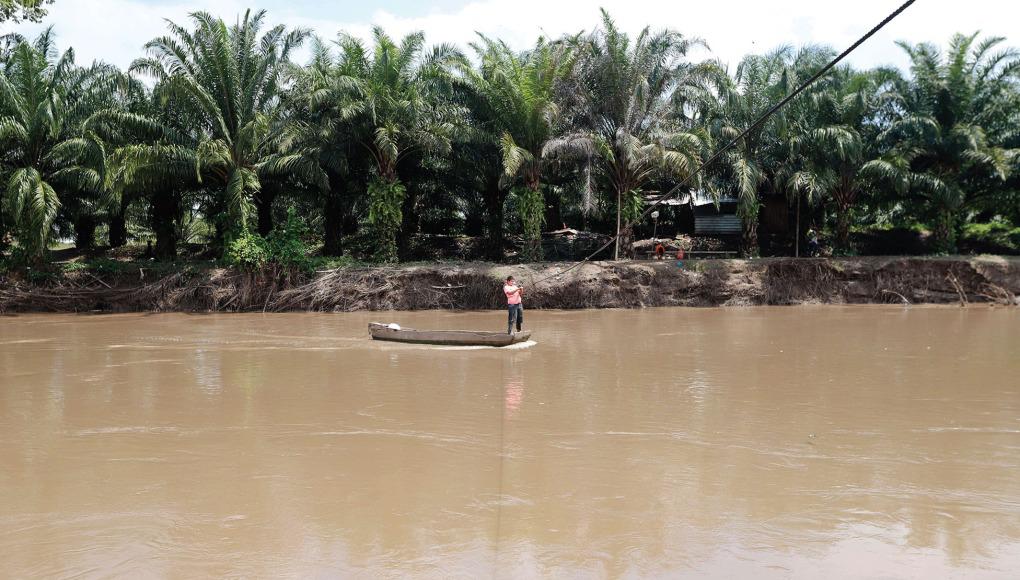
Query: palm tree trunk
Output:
(332,226)
(118,227)
(553,211)
(627,241)
(165,213)
(410,225)
(796,232)
(532,215)
(748,211)
(218,212)
(84,232)
(616,249)
(751,239)
(264,206)
(842,228)
(386,198)
(530,208)
(494,199)
(945,232)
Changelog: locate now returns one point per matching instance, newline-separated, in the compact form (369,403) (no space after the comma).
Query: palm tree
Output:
(832,155)
(133,97)
(477,151)
(44,102)
(758,164)
(227,80)
(952,109)
(153,158)
(320,122)
(392,98)
(517,91)
(631,113)
(759,82)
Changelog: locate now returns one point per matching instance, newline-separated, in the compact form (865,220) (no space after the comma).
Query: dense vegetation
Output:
(216,136)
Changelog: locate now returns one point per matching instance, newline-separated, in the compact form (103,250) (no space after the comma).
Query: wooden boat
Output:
(381,331)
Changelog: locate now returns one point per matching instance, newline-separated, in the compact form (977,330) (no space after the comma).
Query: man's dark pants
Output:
(516,312)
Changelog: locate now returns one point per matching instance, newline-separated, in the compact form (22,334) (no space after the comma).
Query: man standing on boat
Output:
(514,306)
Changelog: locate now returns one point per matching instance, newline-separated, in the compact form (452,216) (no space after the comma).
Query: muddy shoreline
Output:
(476,286)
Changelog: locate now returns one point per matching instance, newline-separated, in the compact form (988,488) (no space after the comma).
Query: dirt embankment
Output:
(473,286)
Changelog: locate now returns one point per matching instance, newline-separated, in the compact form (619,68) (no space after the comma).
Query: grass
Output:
(103,266)
(996,233)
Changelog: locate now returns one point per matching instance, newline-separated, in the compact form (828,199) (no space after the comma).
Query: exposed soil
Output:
(475,286)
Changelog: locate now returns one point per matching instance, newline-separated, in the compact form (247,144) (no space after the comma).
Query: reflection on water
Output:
(513,391)
(801,442)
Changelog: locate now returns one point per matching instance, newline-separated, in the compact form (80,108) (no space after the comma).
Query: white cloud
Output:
(115,30)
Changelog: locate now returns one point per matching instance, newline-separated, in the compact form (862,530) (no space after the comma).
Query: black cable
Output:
(758,123)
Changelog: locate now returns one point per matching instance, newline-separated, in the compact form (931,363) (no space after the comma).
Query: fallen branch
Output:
(1000,294)
(959,289)
(93,276)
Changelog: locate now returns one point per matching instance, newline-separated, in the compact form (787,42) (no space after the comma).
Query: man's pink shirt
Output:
(512,296)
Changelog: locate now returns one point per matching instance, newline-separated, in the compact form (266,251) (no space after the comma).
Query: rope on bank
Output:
(758,123)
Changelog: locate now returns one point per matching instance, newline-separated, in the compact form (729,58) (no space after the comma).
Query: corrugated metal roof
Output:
(696,198)
(719,224)
(683,199)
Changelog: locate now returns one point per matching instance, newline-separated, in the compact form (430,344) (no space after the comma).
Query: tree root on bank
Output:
(901,297)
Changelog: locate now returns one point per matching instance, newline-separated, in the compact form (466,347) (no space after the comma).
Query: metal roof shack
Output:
(710,219)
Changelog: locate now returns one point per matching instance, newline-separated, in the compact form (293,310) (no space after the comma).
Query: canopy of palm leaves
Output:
(389,100)
(957,112)
(375,142)
(634,102)
(227,80)
(48,156)
(517,92)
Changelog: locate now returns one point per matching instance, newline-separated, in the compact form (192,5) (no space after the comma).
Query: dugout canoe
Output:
(381,331)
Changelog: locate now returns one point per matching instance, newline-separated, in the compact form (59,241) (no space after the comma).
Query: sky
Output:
(116,30)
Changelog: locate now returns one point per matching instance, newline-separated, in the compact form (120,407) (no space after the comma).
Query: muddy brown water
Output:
(790,443)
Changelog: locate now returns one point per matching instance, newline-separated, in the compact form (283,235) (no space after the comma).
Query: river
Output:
(799,442)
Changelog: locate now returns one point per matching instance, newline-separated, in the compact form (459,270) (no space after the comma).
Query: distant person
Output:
(660,251)
(514,307)
(813,247)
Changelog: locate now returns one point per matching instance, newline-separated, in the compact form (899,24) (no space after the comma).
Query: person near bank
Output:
(514,307)
(813,247)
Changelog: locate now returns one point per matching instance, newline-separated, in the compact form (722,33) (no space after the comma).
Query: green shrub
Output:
(530,204)
(249,251)
(109,266)
(384,214)
(39,275)
(997,232)
(17,259)
(285,246)
(74,266)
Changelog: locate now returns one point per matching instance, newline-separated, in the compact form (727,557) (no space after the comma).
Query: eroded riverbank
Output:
(476,286)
